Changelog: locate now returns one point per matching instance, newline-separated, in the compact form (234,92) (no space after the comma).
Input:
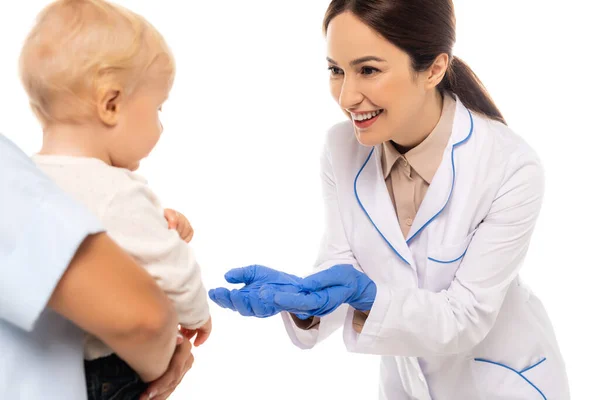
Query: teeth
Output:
(365,116)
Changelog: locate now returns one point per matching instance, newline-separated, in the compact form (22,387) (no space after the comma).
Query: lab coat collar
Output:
(440,191)
(373,197)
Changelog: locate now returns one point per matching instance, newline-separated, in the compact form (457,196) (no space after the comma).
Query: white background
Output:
(239,156)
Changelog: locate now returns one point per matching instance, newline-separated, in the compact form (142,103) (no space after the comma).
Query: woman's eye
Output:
(368,70)
(335,70)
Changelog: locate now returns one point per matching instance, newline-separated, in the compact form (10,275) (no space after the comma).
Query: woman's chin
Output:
(369,138)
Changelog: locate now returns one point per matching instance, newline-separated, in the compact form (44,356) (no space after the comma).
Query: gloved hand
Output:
(323,292)
(247,301)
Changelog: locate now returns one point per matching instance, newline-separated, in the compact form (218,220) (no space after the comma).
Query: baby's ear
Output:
(110,102)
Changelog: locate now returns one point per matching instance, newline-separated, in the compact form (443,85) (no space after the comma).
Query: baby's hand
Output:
(201,333)
(179,222)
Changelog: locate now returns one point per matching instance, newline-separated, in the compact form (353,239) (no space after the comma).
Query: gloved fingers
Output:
(336,296)
(266,294)
(303,316)
(260,308)
(363,300)
(267,297)
(221,296)
(241,275)
(317,304)
(299,303)
(338,275)
(241,303)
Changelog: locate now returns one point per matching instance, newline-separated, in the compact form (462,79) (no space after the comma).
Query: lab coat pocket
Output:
(499,381)
(443,261)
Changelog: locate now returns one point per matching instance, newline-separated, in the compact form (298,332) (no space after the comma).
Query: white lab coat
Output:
(451,319)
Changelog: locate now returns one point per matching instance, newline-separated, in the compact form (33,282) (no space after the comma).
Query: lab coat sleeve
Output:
(418,322)
(334,250)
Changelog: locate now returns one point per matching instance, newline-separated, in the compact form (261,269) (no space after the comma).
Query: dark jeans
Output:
(110,378)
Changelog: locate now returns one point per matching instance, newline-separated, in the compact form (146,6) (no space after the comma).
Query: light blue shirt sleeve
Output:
(41,228)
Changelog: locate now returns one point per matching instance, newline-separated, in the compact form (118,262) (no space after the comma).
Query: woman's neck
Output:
(422,124)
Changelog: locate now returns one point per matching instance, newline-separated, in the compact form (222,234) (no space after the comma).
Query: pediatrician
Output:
(431,202)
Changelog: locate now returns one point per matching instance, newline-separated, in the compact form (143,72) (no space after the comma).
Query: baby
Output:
(97,75)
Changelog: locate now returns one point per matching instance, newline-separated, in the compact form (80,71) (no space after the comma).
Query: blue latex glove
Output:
(247,300)
(325,291)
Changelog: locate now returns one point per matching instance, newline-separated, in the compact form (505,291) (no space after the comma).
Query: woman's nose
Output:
(349,96)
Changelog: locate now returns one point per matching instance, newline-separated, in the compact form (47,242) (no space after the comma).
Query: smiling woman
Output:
(431,201)
(386,81)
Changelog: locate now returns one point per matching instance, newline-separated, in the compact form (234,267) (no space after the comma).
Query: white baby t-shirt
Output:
(133,217)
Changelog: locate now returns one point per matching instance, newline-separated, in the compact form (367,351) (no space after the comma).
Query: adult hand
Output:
(247,300)
(180,364)
(323,292)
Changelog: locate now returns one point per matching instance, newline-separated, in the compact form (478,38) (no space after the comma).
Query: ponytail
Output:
(462,81)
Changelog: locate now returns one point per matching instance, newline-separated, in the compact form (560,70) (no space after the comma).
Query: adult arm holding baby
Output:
(136,320)
(57,266)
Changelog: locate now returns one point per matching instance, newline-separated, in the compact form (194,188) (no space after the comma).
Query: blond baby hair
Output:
(79,49)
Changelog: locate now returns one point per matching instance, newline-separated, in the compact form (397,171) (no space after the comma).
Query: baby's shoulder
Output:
(97,185)
(129,189)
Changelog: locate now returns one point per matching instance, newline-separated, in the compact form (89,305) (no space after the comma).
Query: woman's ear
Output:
(109,106)
(437,70)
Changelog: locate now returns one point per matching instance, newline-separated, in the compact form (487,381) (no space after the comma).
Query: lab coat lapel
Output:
(373,198)
(442,184)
